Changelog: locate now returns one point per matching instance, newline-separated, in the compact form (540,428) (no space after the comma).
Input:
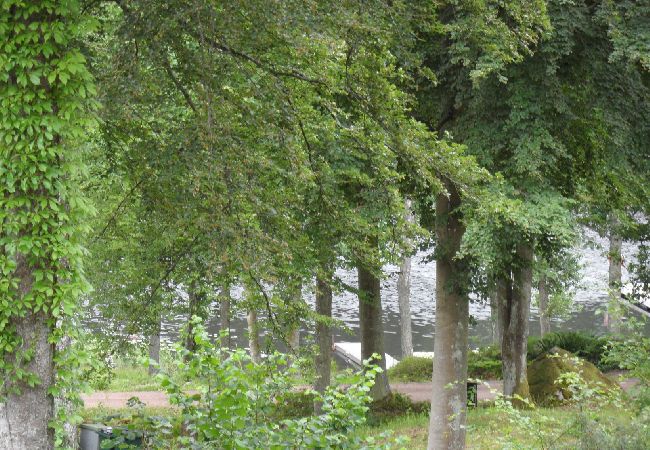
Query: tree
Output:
(515,121)
(323,358)
(448,417)
(461,46)
(43,89)
(404,296)
(371,328)
(514,292)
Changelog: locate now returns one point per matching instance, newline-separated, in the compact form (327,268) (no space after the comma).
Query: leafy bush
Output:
(633,353)
(236,405)
(395,405)
(483,363)
(294,405)
(587,346)
(634,435)
(412,369)
(98,370)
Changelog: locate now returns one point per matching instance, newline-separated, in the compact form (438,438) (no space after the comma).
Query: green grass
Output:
(487,427)
(102,414)
(132,378)
(557,428)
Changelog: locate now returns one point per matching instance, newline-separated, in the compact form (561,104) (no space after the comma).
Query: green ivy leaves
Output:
(43,113)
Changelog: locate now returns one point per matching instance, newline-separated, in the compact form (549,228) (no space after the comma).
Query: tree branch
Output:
(116,210)
(291,73)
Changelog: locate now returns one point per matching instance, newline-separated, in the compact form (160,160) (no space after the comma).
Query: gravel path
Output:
(418,392)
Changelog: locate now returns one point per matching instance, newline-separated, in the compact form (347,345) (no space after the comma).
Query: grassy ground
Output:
(129,377)
(489,428)
(132,378)
(100,414)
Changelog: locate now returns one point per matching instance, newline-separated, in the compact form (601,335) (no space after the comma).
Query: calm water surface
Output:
(590,299)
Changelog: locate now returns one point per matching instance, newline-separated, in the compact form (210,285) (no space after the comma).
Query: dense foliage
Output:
(246,150)
(237,401)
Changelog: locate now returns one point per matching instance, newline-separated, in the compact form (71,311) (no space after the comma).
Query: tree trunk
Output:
(404,297)
(293,341)
(224,317)
(37,218)
(544,319)
(612,316)
(293,324)
(515,293)
(372,330)
(323,359)
(154,350)
(449,393)
(64,404)
(25,417)
(494,317)
(193,304)
(254,337)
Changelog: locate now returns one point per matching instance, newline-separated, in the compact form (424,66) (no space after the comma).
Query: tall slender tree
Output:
(404,295)
(371,329)
(447,419)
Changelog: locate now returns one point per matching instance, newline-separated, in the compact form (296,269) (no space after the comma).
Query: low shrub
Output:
(237,402)
(99,366)
(411,369)
(484,363)
(294,405)
(395,405)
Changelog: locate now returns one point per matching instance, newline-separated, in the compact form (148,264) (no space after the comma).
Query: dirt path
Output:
(418,392)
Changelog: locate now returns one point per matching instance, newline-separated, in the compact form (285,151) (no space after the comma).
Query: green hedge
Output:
(411,369)
(482,364)
(485,363)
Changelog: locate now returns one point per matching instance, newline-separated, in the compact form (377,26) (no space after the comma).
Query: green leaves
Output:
(41,117)
(239,404)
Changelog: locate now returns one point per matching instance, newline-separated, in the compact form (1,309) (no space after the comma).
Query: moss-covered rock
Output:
(545,371)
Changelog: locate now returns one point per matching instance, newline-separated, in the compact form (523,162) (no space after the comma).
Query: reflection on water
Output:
(590,298)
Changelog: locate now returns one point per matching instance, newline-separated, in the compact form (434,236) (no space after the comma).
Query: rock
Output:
(545,371)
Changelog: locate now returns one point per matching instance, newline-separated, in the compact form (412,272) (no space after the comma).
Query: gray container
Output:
(92,436)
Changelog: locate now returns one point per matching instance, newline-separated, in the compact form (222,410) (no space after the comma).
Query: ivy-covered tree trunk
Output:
(224,316)
(449,394)
(371,328)
(323,359)
(404,298)
(544,318)
(41,121)
(25,416)
(612,319)
(515,291)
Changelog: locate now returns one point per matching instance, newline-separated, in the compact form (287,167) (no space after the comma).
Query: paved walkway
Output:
(418,392)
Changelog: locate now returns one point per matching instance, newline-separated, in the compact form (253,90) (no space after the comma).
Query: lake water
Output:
(590,299)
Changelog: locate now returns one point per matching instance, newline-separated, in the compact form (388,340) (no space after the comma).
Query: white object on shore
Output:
(351,351)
